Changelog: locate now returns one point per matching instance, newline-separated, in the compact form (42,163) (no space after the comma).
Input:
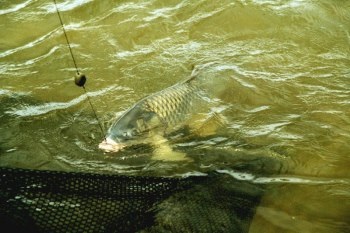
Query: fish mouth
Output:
(109,145)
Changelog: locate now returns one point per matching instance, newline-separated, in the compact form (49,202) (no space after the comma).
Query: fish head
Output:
(129,129)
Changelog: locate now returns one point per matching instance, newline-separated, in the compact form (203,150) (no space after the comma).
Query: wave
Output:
(53,106)
(30,44)
(9,68)
(15,8)
(64,6)
(282,179)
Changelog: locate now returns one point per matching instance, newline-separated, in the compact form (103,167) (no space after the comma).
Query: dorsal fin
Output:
(193,75)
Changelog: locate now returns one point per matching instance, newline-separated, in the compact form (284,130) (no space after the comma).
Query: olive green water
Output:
(278,70)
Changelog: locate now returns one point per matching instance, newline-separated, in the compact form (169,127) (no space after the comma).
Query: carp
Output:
(153,117)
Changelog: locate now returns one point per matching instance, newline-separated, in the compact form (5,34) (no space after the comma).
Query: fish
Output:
(152,117)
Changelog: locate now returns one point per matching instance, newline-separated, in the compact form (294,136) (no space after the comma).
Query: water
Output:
(277,70)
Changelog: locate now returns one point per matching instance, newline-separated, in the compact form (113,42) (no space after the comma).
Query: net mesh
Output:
(50,201)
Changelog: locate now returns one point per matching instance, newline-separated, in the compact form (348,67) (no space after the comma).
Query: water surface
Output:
(277,70)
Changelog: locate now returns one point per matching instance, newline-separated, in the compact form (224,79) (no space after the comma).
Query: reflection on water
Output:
(277,70)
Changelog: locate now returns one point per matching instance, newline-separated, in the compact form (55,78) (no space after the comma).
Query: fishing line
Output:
(65,35)
(79,79)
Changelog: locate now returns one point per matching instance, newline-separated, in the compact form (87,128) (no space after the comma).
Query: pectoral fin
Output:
(206,125)
(163,150)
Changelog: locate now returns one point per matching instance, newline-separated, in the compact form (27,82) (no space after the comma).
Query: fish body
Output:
(154,114)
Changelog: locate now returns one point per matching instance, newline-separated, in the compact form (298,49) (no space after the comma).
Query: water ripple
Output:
(65,6)
(282,179)
(53,106)
(9,68)
(15,8)
(30,44)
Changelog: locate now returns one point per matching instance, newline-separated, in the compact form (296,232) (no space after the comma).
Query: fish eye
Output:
(129,134)
(134,132)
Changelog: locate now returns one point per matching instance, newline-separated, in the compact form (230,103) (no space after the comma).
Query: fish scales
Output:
(173,103)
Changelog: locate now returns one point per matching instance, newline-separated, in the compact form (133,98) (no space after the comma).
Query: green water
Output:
(278,70)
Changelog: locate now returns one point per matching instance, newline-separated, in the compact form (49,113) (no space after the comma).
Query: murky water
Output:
(277,70)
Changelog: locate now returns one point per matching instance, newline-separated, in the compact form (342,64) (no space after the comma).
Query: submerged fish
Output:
(152,116)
